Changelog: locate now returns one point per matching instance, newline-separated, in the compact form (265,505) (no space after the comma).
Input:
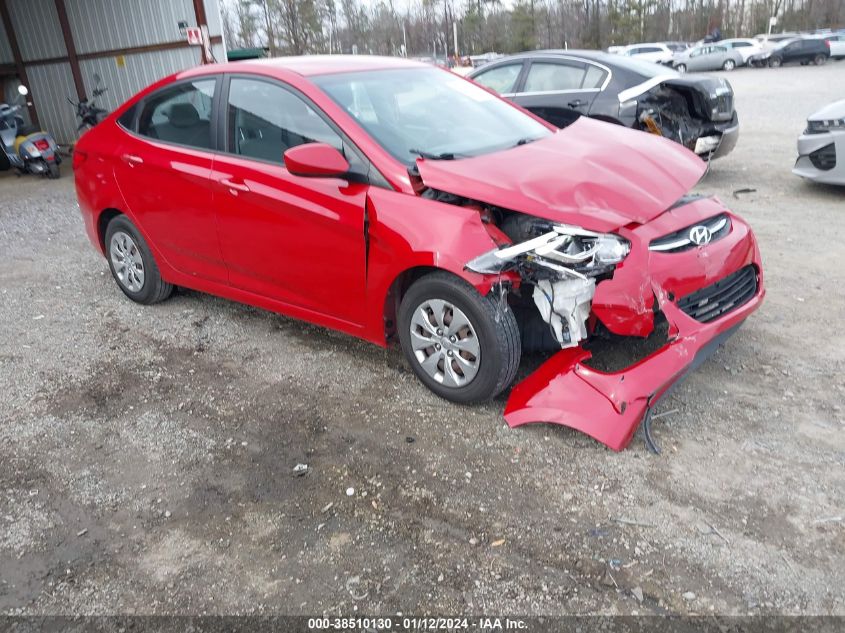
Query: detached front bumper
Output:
(610,406)
(821,157)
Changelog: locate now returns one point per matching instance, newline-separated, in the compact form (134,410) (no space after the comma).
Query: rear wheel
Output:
(463,346)
(53,170)
(132,265)
(729,65)
(819,60)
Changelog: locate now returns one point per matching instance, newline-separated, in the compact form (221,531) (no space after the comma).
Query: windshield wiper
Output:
(433,156)
(525,141)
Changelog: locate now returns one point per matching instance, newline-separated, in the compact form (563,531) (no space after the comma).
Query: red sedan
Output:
(392,200)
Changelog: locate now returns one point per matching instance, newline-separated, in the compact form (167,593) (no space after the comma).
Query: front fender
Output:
(407,232)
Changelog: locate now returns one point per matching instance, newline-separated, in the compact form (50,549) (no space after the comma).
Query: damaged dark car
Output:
(561,86)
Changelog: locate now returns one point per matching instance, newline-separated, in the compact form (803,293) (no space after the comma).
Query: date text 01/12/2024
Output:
(416,624)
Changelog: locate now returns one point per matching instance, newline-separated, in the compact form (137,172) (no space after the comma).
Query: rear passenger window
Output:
(594,77)
(549,77)
(265,120)
(180,114)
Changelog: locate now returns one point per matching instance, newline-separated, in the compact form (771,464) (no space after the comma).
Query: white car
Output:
(656,52)
(768,42)
(746,47)
(836,42)
(822,146)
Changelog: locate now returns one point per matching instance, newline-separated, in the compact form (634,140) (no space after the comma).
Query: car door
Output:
(697,58)
(163,169)
(293,239)
(560,90)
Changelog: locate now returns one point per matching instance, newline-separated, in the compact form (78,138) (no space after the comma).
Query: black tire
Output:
(729,65)
(681,68)
(153,288)
(819,60)
(494,324)
(775,62)
(53,171)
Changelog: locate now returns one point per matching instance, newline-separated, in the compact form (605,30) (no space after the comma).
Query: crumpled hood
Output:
(596,175)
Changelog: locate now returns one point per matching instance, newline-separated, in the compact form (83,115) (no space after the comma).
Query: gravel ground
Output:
(147,454)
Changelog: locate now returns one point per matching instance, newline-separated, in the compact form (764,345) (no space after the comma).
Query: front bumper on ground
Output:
(821,157)
(610,406)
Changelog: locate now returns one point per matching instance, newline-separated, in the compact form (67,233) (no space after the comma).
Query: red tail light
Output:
(79,157)
(42,144)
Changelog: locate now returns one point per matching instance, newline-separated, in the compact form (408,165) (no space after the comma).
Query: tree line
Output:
(432,27)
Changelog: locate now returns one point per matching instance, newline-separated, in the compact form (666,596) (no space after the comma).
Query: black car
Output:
(560,86)
(801,49)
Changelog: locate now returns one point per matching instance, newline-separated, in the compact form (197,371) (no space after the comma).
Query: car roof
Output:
(308,65)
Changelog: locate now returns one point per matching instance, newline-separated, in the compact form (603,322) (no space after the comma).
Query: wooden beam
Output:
(71,50)
(16,55)
(202,22)
(116,52)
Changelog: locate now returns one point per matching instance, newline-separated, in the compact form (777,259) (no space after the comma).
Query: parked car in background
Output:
(561,86)
(800,50)
(768,42)
(836,43)
(393,200)
(707,57)
(746,47)
(656,52)
(821,148)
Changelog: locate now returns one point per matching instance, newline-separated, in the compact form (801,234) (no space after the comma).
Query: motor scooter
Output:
(25,147)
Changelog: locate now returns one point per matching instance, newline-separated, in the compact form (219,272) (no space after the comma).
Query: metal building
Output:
(56,47)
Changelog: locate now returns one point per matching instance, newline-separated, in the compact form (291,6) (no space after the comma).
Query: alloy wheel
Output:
(445,343)
(127,261)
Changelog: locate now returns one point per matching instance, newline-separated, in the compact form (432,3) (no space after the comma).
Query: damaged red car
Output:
(392,200)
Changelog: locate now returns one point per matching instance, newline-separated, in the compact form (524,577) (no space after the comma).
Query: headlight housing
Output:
(825,125)
(564,250)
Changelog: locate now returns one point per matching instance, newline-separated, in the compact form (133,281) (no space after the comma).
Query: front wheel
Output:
(729,65)
(463,346)
(775,62)
(681,68)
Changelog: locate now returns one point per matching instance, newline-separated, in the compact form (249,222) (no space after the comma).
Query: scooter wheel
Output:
(53,171)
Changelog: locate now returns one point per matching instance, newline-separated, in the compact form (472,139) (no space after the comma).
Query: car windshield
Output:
(430,112)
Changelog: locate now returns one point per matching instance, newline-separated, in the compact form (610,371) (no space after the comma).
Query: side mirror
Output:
(23,90)
(315,160)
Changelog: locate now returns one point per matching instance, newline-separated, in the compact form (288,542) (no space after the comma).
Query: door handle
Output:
(132,160)
(234,187)
(577,103)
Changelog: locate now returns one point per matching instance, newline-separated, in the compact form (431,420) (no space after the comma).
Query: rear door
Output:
(560,90)
(163,169)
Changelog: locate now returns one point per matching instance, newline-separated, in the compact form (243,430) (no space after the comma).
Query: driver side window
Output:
(265,120)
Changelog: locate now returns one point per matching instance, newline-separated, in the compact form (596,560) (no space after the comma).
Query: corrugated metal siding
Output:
(51,84)
(99,25)
(37,28)
(102,25)
(5,48)
(140,70)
